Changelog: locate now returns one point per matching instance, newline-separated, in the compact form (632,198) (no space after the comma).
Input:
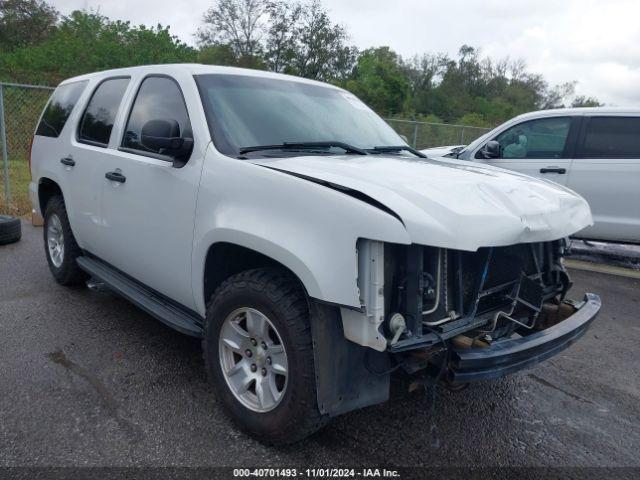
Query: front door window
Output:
(543,138)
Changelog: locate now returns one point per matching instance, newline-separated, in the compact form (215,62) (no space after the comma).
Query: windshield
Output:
(244,111)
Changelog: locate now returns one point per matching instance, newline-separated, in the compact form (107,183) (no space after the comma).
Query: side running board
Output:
(143,297)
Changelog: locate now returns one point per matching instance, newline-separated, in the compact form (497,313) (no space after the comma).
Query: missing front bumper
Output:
(510,355)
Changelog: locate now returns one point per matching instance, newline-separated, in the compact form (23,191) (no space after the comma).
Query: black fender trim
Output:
(348,376)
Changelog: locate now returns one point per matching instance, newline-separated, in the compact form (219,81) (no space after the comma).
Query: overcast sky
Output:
(594,42)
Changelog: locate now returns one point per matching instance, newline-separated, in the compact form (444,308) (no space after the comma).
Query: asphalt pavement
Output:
(87,379)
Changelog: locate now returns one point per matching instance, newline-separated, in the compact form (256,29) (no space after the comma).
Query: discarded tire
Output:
(10,229)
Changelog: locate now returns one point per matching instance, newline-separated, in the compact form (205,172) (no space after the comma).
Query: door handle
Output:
(559,170)
(68,161)
(115,177)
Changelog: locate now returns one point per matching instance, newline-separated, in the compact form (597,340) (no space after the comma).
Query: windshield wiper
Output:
(304,146)
(396,148)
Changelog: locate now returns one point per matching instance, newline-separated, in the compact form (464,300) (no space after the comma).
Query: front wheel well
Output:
(226,259)
(47,189)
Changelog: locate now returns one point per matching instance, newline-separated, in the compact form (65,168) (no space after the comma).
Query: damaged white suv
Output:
(288,226)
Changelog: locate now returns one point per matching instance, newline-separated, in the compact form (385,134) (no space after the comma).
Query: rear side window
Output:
(59,108)
(612,137)
(97,122)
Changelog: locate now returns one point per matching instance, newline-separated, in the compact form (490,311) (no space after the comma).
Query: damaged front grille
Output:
(503,267)
(495,289)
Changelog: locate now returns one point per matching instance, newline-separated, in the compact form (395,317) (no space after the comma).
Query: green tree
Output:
(320,50)
(282,37)
(473,119)
(379,80)
(217,55)
(583,101)
(222,54)
(423,73)
(480,90)
(87,42)
(555,97)
(25,22)
(297,37)
(240,24)
(292,37)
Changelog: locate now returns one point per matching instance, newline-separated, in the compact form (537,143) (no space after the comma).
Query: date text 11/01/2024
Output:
(316,472)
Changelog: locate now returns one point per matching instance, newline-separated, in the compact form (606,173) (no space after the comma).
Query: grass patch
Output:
(19,178)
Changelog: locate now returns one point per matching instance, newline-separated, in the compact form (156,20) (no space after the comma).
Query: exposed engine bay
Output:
(422,299)
(486,295)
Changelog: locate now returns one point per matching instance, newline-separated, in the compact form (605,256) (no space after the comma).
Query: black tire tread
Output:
(282,288)
(69,274)
(10,229)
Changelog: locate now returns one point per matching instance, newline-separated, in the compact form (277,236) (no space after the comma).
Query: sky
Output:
(596,43)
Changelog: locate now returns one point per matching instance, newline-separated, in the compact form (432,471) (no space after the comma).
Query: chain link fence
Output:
(20,107)
(426,135)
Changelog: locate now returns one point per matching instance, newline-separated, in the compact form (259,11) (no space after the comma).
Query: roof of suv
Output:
(193,69)
(580,111)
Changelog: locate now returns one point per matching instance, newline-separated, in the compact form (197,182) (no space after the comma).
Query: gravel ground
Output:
(86,379)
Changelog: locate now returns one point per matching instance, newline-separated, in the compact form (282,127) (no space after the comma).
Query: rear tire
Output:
(10,229)
(60,245)
(235,360)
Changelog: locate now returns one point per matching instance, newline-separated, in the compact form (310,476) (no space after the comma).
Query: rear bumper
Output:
(507,356)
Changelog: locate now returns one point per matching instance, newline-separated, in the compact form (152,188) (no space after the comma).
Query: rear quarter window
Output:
(612,137)
(59,108)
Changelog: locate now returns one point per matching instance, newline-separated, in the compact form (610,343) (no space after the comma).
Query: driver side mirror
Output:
(163,136)
(491,150)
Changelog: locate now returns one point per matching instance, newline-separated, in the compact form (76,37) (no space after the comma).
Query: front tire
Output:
(60,245)
(259,355)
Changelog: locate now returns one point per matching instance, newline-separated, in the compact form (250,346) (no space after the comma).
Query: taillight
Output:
(30,148)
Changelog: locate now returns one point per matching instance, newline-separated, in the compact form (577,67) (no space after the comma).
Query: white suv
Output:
(288,226)
(593,151)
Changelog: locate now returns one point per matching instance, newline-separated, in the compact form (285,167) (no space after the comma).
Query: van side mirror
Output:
(163,136)
(491,150)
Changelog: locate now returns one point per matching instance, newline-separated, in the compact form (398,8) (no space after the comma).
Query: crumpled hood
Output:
(451,203)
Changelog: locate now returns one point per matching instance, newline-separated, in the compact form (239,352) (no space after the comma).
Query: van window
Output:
(59,108)
(98,118)
(542,138)
(612,137)
(159,98)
